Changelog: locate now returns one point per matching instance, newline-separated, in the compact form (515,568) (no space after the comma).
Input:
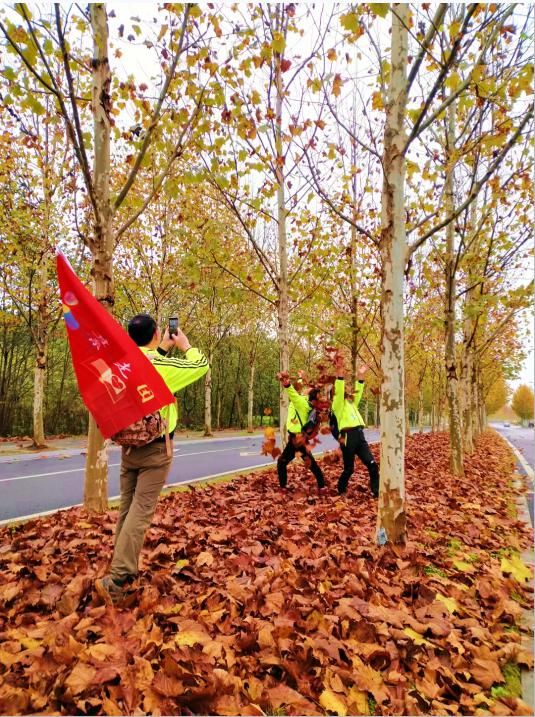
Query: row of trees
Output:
(241,180)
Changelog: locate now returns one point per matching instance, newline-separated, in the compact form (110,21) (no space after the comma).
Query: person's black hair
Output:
(313,394)
(141,329)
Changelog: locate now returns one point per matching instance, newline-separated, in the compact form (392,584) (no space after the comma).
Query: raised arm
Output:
(359,383)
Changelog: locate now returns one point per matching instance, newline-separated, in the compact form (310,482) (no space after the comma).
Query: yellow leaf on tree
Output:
(454,30)
(337,85)
(412,167)
(380,8)
(416,637)
(350,22)
(478,73)
(453,81)
(516,568)
(278,43)
(377,101)
(331,702)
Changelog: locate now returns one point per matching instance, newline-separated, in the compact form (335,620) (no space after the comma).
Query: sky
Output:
(527,374)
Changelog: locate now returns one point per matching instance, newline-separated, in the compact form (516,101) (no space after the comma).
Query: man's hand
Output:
(166,341)
(339,365)
(361,371)
(180,340)
(284,378)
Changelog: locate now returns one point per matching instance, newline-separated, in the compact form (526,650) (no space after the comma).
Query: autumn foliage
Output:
(250,602)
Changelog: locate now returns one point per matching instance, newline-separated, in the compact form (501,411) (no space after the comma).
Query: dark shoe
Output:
(108,591)
(375,495)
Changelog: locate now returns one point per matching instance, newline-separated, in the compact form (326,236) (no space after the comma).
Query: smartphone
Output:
(173,325)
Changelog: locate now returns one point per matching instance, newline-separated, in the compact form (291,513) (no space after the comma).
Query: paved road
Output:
(35,483)
(524,440)
(39,482)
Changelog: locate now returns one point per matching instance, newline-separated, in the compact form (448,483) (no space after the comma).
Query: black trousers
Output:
(355,444)
(292,447)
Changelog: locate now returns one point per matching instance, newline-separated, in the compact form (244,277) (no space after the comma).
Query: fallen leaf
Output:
(331,702)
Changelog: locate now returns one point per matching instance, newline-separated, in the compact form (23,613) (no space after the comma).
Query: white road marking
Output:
(54,473)
(16,519)
(110,465)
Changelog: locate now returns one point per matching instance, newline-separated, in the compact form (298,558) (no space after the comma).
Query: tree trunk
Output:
(39,396)
(208,401)
(482,414)
(96,472)
(250,398)
(452,382)
(420,408)
(407,419)
(43,314)
(283,309)
(96,467)
(391,517)
(41,336)
(466,392)
(475,400)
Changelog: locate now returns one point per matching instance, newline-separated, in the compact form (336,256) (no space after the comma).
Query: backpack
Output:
(142,432)
(333,425)
(311,427)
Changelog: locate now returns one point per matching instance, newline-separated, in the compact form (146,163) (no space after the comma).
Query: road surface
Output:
(523,439)
(36,483)
(39,482)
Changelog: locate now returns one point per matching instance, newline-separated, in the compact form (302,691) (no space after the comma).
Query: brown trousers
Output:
(143,474)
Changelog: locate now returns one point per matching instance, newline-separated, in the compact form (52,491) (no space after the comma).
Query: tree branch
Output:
(441,75)
(428,40)
(477,186)
(155,115)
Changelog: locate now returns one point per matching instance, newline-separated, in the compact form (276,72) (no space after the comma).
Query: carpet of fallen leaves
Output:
(251,602)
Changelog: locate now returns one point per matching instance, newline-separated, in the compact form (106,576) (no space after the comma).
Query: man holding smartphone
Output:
(144,469)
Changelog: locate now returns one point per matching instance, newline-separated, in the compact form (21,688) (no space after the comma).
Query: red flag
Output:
(117,381)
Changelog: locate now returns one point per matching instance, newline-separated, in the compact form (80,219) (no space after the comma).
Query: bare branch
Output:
(478,185)
(426,44)
(441,75)
(156,114)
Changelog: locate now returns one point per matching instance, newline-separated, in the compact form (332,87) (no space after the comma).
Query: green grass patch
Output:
(432,533)
(454,546)
(372,704)
(501,553)
(513,682)
(512,511)
(472,557)
(433,570)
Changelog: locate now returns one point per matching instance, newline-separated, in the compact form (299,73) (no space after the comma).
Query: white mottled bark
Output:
(391,518)
(283,309)
(96,471)
(452,379)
